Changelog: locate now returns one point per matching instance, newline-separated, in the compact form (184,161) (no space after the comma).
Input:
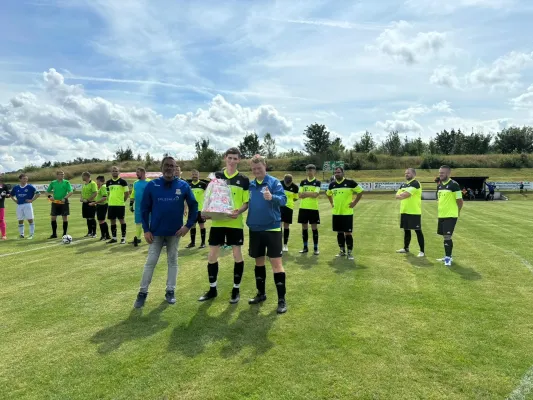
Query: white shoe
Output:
(30,237)
(316,252)
(341,254)
(350,256)
(421,254)
(402,251)
(443,259)
(285,248)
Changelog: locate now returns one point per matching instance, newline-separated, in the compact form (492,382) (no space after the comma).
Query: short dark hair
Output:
(446,167)
(142,169)
(22,176)
(100,178)
(165,159)
(310,166)
(342,169)
(234,151)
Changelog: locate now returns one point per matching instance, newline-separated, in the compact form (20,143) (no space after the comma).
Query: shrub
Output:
(431,162)
(511,162)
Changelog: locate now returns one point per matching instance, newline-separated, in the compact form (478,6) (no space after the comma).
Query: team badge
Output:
(178,191)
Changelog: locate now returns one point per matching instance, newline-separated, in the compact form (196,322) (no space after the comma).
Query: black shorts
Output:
(88,211)
(306,216)
(265,243)
(342,223)
(220,236)
(200,219)
(286,214)
(116,212)
(60,210)
(101,212)
(446,226)
(411,222)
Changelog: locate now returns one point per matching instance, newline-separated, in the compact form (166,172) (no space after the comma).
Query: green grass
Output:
(387,327)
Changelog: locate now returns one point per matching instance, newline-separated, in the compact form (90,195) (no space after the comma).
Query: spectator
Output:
(521,187)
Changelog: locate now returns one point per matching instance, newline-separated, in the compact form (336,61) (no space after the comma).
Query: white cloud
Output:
(63,122)
(445,76)
(413,112)
(439,7)
(399,43)
(525,100)
(329,23)
(503,72)
(399,125)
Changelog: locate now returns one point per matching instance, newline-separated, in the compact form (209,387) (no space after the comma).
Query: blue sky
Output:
(81,78)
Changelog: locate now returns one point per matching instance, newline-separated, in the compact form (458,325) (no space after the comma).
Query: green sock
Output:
(139,231)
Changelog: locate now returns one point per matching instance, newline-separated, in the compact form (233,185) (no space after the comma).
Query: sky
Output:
(81,78)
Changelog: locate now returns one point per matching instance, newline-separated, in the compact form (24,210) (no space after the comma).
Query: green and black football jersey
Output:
(342,193)
(448,193)
(291,192)
(413,204)
(306,186)
(198,189)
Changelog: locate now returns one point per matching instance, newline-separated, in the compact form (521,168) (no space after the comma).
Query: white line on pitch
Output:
(41,248)
(524,388)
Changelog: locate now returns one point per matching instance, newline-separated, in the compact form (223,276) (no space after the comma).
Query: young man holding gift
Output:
(264,221)
(229,230)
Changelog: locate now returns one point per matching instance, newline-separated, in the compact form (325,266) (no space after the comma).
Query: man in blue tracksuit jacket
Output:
(264,221)
(162,208)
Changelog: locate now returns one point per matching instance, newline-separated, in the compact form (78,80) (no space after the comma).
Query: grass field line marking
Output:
(524,388)
(42,248)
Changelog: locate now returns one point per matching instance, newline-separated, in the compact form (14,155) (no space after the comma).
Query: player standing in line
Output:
(410,194)
(135,202)
(291,191)
(118,193)
(100,202)
(450,204)
(89,190)
(264,222)
(4,194)
(198,188)
(62,190)
(340,195)
(308,213)
(229,231)
(24,195)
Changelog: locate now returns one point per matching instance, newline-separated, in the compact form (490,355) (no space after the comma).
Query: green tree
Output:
(318,139)
(445,142)
(124,154)
(515,140)
(392,145)
(207,159)
(269,146)
(366,144)
(250,145)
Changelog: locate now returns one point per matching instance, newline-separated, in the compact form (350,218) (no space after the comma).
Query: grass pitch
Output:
(388,326)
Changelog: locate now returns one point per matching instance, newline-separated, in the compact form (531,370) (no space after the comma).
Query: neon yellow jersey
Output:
(88,189)
(413,204)
(448,193)
(198,189)
(116,190)
(102,192)
(291,192)
(240,193)
(342,193)
(307,186)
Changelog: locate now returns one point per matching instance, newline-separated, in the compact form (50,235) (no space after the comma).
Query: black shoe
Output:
(304,250)
(282,306)
(141,298)
(135,242)
(112,241)
(169,296)
(202,246)
(210,294)
(235,296)
(259,298)
(190,246)
(53,237)
(88,235)
(103,238)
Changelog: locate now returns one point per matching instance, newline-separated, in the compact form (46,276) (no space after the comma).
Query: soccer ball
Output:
(67,239)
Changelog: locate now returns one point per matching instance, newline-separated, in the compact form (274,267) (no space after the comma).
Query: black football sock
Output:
(315,238)
(105,229)
(123,230)
(212,271)
(349,242)
(305,236)
(406,239)
(89,227)
(65,227)
(420,237)
(95,224)
(202,235)
(114,231)
(54,228)
(448,247)
(101,230)
(193,235)
(238,270)
(260,277)
(286,233)
(279,280)
(341,241)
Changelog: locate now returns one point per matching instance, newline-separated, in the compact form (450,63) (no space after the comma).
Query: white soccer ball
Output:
(67,239)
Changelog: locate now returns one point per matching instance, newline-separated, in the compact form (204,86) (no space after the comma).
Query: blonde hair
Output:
(258,159)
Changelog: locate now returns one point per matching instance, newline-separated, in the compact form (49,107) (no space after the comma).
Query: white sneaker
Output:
(285,248)
(30,237)
(341,254)
(402,251)
(421,254)
(316,252)
(443,259)
(448,261)
(350,256)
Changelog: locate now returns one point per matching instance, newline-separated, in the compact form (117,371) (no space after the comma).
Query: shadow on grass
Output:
(135,327)
(467,273)
(342,265)
(305,261)
(249,330)
(419,262)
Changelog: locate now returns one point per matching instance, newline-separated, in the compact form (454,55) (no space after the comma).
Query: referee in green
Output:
(410,196)
(340,195)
